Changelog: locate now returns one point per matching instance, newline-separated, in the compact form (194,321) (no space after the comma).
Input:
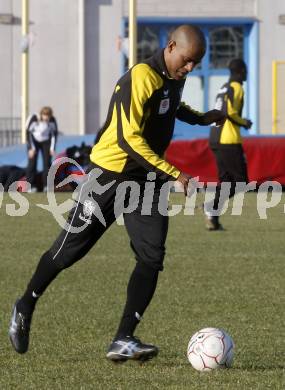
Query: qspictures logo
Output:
(129,194)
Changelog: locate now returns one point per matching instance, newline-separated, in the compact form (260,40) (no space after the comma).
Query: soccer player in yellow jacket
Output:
(128,154)
(226,140)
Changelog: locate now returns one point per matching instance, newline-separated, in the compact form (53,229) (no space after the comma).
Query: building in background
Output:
(251,29)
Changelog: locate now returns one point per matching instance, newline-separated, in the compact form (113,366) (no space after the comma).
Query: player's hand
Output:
(31,153)
(183,181)
(214,116)
(248,124)
(52,153)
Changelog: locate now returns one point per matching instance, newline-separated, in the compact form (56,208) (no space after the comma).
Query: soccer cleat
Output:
(212,223)
(19,330)
(130,347)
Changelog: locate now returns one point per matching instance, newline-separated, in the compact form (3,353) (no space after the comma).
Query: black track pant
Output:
(44,148)
(232,168)
(99,202)
(147,232)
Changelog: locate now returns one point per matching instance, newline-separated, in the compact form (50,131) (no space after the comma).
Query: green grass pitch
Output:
(232,279)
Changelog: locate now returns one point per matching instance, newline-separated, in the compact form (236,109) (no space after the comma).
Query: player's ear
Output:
(171,45)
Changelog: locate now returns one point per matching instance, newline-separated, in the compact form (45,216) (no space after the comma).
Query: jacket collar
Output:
(157,62)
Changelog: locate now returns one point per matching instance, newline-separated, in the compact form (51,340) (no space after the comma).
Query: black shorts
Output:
(231,163)
(95,210)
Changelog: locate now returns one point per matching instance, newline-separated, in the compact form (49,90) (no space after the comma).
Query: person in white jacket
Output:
(41,136)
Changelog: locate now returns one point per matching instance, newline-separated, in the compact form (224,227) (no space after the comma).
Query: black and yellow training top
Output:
(230,101)
(140,121)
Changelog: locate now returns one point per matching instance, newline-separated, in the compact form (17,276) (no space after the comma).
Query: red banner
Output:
(265,157)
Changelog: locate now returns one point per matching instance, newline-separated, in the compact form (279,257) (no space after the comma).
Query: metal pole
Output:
(274,97)
(25,67)
(81,39)
(132,32)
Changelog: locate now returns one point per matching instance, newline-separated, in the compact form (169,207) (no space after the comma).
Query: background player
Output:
(226,140)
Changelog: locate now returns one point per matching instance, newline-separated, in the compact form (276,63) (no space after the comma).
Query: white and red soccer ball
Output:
(209,349)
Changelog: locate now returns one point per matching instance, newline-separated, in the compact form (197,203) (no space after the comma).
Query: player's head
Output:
(238,69)
(46,114)
(185,49)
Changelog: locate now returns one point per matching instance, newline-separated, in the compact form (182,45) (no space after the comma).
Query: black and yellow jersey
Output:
(230,101)
(140,121)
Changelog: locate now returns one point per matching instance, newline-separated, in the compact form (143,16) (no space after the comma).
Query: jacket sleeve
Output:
(30,124)
(131,111)
(186,114)
(54,133)
(235,104)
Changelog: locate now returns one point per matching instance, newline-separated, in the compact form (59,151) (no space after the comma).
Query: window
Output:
(226,43)
(148,41)
(151,36)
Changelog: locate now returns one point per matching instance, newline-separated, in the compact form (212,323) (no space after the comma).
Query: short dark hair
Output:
(236,65)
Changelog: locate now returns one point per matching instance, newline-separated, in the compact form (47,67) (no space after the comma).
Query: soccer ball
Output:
(210,348)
